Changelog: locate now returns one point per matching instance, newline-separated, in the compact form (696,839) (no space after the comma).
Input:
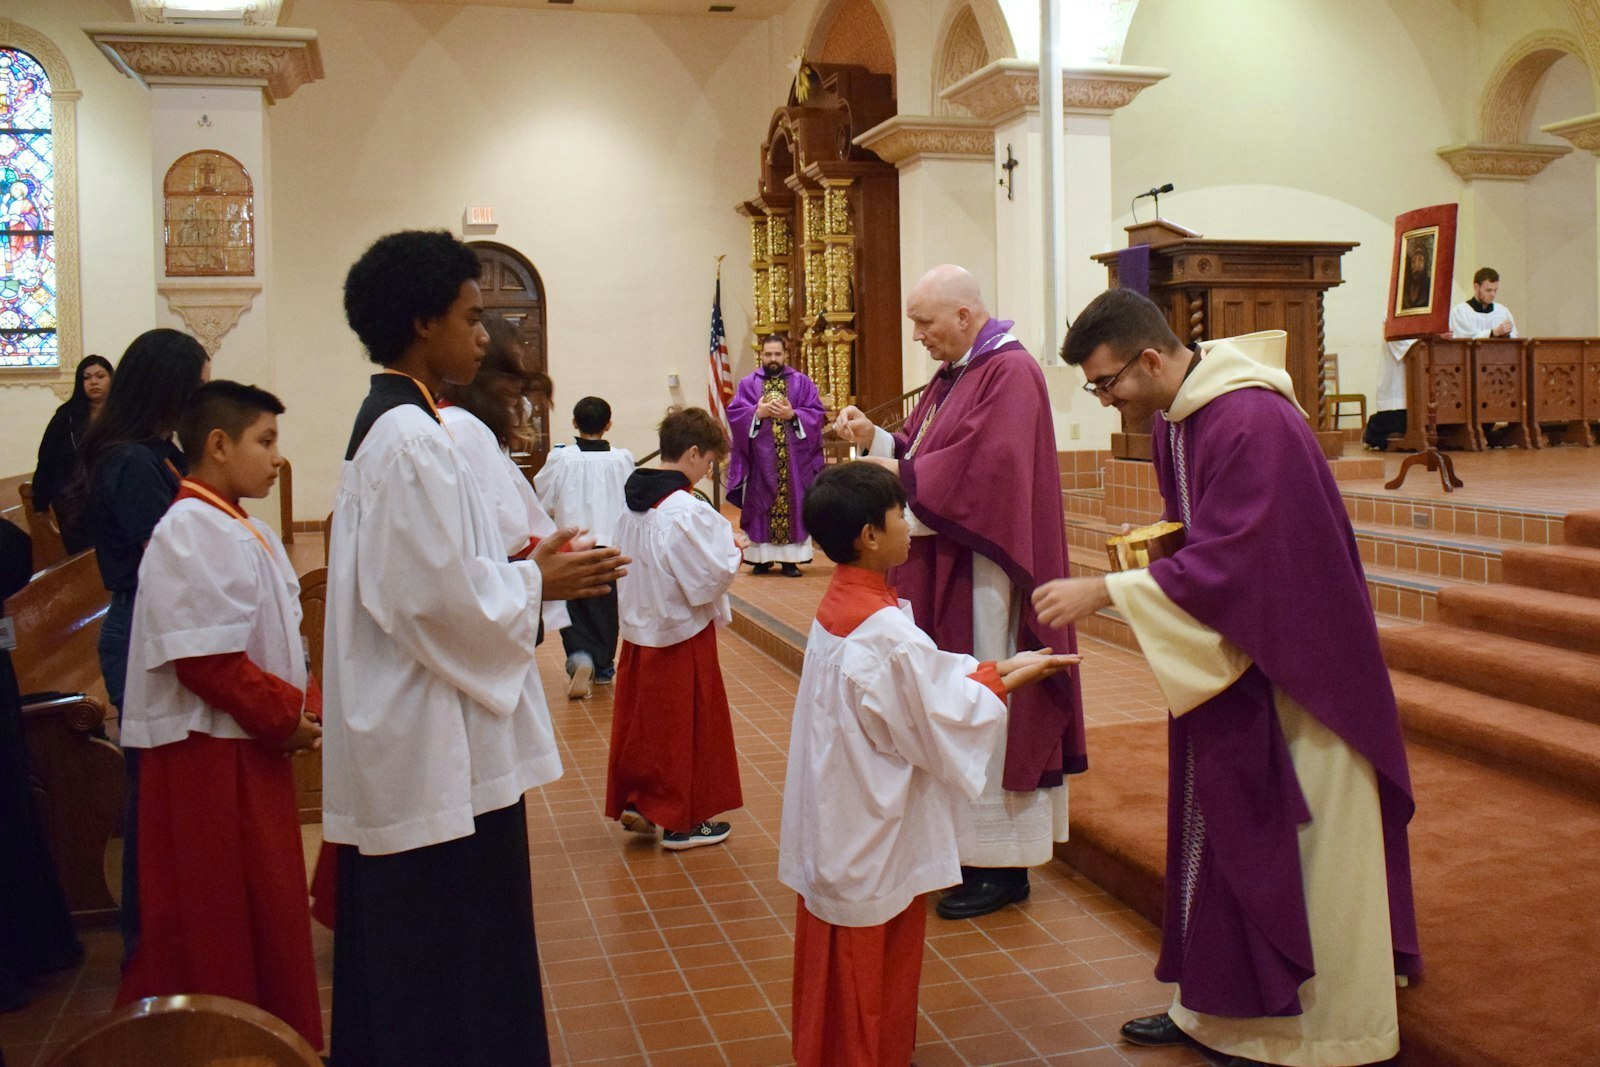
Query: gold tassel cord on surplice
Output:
(778,519)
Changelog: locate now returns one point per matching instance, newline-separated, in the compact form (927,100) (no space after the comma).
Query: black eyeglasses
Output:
(1094,389)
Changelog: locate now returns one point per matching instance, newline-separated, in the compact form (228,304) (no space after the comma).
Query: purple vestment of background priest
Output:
(984,478)
(1270,562)
(752,460)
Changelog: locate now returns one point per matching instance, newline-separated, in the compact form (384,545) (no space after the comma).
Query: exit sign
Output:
(477,217)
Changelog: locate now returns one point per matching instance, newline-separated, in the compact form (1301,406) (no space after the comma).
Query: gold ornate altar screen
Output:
(825,237)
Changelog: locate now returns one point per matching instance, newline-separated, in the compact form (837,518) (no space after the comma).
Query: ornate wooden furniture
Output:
(1522,382)
(198,1029)
(1429,458)
(1212,288)
(76,775)
(1563,389)
(308,765)
(825,237)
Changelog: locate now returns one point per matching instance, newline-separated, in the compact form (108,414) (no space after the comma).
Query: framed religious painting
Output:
(1420,273)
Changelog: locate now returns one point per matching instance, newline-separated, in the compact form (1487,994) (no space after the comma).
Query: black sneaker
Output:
(791,571)
(707,833)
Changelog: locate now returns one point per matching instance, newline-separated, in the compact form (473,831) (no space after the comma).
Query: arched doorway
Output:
(512,290)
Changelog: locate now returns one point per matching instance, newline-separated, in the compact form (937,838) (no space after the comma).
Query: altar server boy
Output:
(218,696)
(890,740)
(581,485)
(436,720)
(673,763)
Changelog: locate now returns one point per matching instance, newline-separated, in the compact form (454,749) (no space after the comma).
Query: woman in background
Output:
(61,446)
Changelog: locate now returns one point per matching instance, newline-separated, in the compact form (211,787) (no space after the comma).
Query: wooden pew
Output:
(48,549)
(195,1029)
(1500,388)
(308,765)
(77,776)
(1563,389)
(1452,392)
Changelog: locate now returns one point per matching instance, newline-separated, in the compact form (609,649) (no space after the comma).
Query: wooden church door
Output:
(512,290)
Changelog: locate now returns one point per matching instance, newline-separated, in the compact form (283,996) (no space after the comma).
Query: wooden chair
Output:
(48,548)
(1333,401)
(77,776)
(308,765)
(327,539)
(189,1031)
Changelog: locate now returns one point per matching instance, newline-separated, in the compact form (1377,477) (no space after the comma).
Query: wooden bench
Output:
(48,548)
(76,775)
(308,765)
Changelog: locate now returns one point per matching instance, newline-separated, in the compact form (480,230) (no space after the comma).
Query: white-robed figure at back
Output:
(582,485)
(481,417)
(1481,317)
(435,721)
(891,742)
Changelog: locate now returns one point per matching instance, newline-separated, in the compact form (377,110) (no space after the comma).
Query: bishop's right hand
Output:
(578,574)
(853,425)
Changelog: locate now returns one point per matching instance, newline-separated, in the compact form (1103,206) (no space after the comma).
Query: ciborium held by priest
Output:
(1139,548)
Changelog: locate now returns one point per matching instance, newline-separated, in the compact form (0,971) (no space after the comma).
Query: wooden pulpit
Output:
(1214,288)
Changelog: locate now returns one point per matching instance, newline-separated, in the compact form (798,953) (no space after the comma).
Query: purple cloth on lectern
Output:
(1133,269)
(985,480)
(753,461)
(1270,562)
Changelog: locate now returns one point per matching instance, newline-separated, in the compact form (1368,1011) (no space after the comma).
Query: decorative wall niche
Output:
(209,217)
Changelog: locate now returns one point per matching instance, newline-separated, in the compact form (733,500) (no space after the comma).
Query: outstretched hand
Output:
(1026,668)
(576,575)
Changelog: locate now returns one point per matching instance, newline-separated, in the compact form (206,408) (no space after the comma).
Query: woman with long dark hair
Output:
(62,442)
(133,471)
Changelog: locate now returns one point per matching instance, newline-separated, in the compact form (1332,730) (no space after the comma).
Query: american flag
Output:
(720,380)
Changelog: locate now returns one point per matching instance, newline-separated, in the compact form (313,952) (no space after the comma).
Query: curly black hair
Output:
(404,277)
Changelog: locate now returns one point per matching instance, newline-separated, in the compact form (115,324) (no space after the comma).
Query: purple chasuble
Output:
(1270,562)
(753,459)
(984,479)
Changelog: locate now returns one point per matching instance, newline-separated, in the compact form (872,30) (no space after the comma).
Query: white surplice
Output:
(684,561)
(583,488)
(433,708)
(1009,829)
(207,586)
(1465,322)
(1392,375)
(517,511)
(890,742)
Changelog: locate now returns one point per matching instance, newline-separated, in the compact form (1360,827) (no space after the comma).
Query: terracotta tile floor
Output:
(660,958)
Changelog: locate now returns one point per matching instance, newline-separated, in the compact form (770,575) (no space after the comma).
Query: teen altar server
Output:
(435,719)
(890,742)
(217,697)
(672,762)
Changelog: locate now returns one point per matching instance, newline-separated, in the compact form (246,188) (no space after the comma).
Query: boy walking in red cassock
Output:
(891,739)
(673,763)
(218,696)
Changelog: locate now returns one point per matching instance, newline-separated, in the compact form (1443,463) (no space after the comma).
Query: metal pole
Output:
(1052,117)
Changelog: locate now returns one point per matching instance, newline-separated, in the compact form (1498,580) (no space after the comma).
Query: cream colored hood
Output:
(1249,361)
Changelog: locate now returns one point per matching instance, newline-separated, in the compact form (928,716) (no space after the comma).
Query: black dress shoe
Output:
(1154,1030)
(979,897)
(791,571)
(761,568)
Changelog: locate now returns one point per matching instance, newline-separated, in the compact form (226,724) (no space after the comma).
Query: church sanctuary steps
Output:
(1526,672)
(1561,620)
(1558,568)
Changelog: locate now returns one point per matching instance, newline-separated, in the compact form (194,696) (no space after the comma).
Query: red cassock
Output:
(672,755)
(222,877)
(855,989)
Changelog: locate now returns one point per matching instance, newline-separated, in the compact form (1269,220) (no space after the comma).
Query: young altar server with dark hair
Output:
(891,739)
(217,697)
(436,721)
(673,763)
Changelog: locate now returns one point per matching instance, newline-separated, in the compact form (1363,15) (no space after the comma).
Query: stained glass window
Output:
(27,215)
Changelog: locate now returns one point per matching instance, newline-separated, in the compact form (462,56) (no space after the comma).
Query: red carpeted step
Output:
(1559,568)
(1558,619)
(1583,528)
(1556,679)
(1539,745)
(1505,874)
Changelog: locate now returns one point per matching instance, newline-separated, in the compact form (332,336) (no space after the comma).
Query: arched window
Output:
(27,215)
(209,216)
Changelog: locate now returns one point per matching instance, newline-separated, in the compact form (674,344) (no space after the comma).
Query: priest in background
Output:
(978,461)
(1288,889)
(776,420)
